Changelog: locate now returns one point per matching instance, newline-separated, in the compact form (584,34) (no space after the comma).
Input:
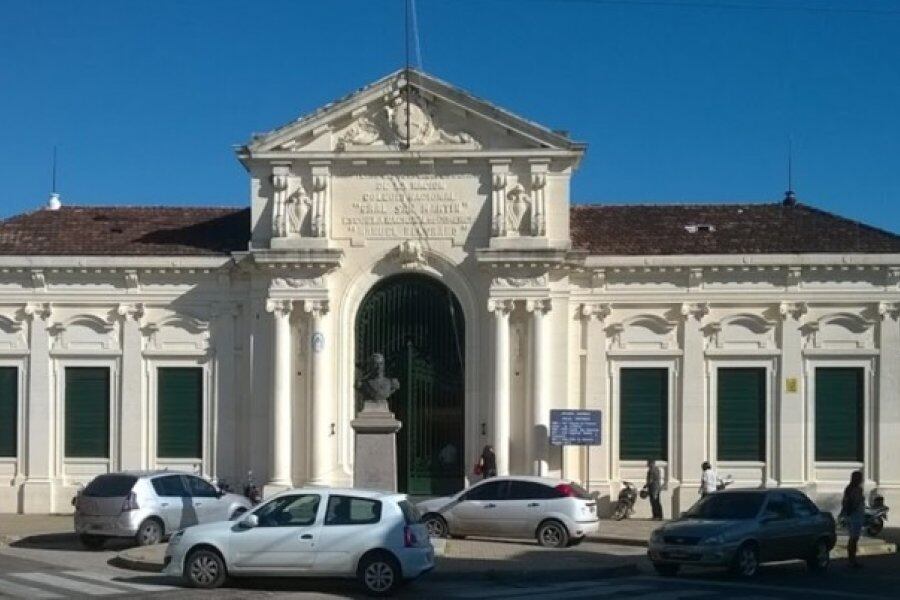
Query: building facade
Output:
(414,220)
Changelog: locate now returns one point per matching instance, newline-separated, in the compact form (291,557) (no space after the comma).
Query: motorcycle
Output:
(874,517)
(625,502)
(251,490)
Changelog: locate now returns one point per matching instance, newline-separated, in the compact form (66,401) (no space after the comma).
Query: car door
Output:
(808,524)
(205,499)
(777,528)
(284,541)
(476,513)
(350,525)
(175,506)
(527,503)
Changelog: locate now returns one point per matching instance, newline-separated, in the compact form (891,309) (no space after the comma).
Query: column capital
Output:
(317,308)
(697,310)
(500,307)
(600,310)
(889,310)
(792,310)
(134,311)
(42,310)
(539,306)
(280,308)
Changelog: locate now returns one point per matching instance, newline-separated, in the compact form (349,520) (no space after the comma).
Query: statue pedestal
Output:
(375,459)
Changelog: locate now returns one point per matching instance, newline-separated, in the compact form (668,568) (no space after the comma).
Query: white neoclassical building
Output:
(417,221)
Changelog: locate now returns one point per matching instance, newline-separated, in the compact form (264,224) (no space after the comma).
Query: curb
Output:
(524,576)
(138,563)
(619,541)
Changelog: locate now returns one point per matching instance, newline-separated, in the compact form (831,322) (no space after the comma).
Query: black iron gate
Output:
(417,324)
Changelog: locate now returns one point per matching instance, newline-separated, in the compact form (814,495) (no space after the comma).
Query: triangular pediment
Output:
(407,110)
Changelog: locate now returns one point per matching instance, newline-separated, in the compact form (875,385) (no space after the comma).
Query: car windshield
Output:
(110,486)
(745,505)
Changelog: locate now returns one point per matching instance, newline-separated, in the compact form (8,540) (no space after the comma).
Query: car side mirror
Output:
(249,522)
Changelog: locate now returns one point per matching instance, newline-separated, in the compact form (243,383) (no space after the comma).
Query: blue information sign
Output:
(575,427)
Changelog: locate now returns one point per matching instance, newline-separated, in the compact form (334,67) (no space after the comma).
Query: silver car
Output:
(149,505)
(556,512)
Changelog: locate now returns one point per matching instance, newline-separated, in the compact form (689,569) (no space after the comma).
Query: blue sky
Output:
(677,103)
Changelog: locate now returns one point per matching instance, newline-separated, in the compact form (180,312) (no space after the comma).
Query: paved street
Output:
(54,566)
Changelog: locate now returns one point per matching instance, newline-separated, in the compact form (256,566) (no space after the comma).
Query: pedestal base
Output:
(37,497)
(375,459)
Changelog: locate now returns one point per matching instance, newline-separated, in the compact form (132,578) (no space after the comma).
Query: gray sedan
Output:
(740,529)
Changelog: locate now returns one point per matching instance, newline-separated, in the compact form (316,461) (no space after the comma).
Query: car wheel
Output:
(150,532)
(875,528)
(204,569)
(92,542)
(820,557)
(437,526)
(379,574)
(552,534)
(666,570)
(746,562)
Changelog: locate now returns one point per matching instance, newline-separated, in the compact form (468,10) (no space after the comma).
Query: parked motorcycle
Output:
(625,502)
(875,516)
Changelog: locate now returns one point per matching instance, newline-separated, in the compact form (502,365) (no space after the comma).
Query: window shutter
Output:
(839,414)
(9,410)
(644,420)
(741,420)
(179,410)
(87,412)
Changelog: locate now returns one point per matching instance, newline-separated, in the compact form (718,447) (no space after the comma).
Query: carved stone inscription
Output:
(405,206)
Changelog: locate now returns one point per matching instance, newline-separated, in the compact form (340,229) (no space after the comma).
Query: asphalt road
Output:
(56,567)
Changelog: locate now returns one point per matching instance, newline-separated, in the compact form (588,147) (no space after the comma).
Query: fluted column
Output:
(501,310)
(320,404)
(280,474)
(540,402)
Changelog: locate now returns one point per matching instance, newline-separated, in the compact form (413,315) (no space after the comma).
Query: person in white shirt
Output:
(709,482)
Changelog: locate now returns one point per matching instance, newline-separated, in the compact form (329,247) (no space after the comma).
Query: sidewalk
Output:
(14,527)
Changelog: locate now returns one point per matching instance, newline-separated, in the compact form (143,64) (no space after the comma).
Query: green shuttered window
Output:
(179,410)
(839,414)
(644,420)
(741,419)
(9,413)
(87,412)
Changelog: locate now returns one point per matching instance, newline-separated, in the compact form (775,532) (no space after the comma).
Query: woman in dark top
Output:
(488,462)
(853,509)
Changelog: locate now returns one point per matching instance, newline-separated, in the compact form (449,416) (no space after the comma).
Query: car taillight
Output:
(409,537)
(130,502)
(566,490)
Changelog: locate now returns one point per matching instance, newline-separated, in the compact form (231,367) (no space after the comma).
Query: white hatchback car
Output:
(558,513)
(377,537)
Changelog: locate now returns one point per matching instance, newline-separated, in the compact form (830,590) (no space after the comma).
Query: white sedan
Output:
(376,537)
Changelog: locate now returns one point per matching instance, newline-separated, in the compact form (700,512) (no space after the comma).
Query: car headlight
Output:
(176,537)
(714,540)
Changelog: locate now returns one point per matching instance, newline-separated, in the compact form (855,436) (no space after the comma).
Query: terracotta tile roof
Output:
(639,230)
(121,230)
(599,229)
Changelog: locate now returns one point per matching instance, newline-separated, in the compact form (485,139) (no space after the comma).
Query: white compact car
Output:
(556,512)
(149,505)
(377,537)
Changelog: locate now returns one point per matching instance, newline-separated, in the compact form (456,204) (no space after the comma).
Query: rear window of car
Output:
(110,486)
(724,505)
(579,491)
(347,510)
(410,512)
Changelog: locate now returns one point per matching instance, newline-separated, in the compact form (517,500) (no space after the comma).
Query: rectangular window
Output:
(644,414)
(87,412)
(9,411)
(741,420)
(179,412)
(839,414)
(347,510)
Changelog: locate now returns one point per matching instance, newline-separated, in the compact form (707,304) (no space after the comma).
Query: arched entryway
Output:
(416,322)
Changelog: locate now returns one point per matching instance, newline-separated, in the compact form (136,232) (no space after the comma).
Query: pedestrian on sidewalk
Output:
(853,510)
(653,486)
(487,463)
(709,482)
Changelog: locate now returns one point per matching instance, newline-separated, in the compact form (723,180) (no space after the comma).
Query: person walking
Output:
(709,482)
(653,485)
(487,463)
(853,510)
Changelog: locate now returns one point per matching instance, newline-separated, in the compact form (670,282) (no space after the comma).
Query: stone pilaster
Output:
(281,475)
(37,492)
(790,399)
(887,471)
(501,310)
(691,418)
(595,386)
(321,404)
(132,419)
(538,442)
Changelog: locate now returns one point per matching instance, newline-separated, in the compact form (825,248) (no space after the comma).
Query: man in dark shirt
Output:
(654,487)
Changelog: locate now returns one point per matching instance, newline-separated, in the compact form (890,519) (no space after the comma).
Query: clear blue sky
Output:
(677,103)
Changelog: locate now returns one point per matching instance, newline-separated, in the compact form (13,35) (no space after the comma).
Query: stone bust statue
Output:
(374,387)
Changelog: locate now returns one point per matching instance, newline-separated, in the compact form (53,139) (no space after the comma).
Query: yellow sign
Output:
(790,385)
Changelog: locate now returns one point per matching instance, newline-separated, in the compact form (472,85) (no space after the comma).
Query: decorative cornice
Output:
(889,310)
(41,310)
(539,281)
(793,310)
(298,282)
(38,280)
